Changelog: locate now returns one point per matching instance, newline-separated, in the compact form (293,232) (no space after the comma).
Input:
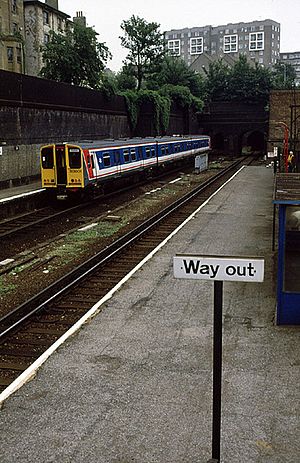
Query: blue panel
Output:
(288,311)
(288,304)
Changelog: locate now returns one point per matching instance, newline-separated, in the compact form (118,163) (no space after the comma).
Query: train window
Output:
(74,157)
(133,154)
(140,150)
(126,155)
(148,153)
(153,152)
(167,150)
(162,150)
(106,160)
(47,158)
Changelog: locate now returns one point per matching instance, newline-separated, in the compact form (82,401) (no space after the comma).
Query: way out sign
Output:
(217,268)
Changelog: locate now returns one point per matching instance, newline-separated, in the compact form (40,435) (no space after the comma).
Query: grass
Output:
(6,287)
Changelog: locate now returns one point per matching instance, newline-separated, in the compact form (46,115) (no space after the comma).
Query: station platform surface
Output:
(9,194)
(135,383)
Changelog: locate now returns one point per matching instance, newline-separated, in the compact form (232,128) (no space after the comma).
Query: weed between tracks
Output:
(76,243)
(6,287)
(57,257)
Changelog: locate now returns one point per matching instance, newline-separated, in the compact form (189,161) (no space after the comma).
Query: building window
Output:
(14,6)
(256,41)
(15,28)
(45,17)
(10,54)
(230,43)
(46,38)
(196,46)
(174,47)
(19,55)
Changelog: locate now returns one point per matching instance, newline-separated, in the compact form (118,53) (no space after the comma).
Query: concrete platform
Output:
(10,194)
(134,384)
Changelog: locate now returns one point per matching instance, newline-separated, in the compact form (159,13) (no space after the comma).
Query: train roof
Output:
(111,143)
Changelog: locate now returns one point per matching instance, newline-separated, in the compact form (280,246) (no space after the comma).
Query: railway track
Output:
(33,327)
(9,227)
(38,218)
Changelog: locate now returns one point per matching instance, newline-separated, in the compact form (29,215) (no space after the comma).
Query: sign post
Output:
(217,370)
(218,269)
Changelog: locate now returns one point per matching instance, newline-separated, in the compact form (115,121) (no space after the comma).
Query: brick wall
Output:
(284,107)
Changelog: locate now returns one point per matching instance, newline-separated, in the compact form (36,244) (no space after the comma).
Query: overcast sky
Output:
(107,15)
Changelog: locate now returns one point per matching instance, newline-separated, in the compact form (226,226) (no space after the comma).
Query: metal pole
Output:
(217,370)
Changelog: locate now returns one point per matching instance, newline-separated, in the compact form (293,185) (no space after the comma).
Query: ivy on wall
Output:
(161,102)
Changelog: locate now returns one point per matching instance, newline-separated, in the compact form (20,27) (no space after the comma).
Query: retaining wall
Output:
(36,111)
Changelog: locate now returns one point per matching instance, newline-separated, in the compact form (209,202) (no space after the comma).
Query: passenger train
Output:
(69,168)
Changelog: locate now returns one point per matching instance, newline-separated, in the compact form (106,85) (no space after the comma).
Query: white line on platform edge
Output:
(21,195)
(31,371)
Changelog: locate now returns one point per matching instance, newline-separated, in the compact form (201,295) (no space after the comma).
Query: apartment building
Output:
(41,18)
(12,35)
(258,40)
(292,58)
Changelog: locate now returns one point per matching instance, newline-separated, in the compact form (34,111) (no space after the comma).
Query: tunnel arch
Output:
(254,142)
(218,141)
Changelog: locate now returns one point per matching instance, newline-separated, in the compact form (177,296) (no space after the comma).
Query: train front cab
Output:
(287,197)
(62,168)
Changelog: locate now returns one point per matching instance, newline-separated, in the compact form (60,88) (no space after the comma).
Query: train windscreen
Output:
(74,157)
(47,157)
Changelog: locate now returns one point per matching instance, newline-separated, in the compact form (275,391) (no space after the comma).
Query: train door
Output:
(93,164)
(90,163)
(117,162)
(61,168)
(48,167)
(140,156)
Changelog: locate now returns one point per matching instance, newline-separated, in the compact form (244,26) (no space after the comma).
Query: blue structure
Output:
(287,197)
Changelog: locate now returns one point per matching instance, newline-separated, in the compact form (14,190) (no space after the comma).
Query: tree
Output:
(75,58)
(248,82)
(125,79)
(244,81)
(284,76)
(146,47)
(217,78)
(174,71)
